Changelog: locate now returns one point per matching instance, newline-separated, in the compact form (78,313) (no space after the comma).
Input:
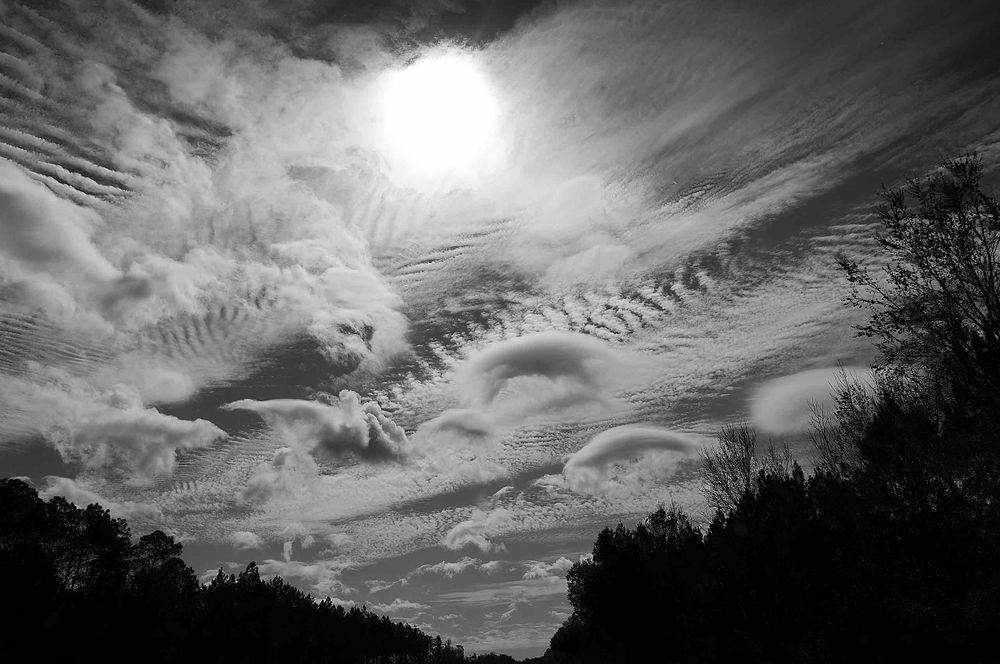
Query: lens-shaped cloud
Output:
(586,471)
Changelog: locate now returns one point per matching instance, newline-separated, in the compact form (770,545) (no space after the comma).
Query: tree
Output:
(732,466)
(77,574)
(935,317)
(935,305)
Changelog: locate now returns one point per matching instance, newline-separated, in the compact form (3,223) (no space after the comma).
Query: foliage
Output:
(79,587)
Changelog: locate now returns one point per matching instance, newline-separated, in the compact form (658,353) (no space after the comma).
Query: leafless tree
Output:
(935,306)
(732,466)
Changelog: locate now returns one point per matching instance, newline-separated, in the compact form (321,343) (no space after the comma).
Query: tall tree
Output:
(935,305)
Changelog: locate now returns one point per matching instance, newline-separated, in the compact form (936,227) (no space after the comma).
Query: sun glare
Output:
(439,116)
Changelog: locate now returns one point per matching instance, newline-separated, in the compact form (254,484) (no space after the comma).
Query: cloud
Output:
(398,605)
(82,497)
(289,472)
(478,530)
(244,539)
(346,427)
(104,429)
(338,541)
(145,440)
(322,577)
(786,405)
(577,367)
(549,375)
(450,569)
(44,233)
(586,470)
(554,570)
(465,423)
(447,569)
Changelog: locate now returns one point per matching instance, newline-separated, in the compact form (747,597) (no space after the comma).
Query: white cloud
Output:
(398,605)
(322,577)
(464,423)
(337,542)
(586,470)
(554,570)
(145,440)
(347,426)
(244,539)
(81,497)
(478,530)
(46,234)
(289,472)
(786,405)
(450,570)
(542,376)
(447,569)
(107,429)
(576,369)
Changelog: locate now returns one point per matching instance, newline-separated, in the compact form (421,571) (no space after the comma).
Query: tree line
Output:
(889,550)
(78,588)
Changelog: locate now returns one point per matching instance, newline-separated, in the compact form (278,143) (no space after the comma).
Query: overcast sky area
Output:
(406,300)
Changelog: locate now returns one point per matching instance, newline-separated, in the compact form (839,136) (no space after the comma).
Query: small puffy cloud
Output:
(786,405)
(478,530)
(586,471)
(447,569)
(451,569)
(296,531)
(554,570)
(81,497)
(346,427)
(398,605)
(244,539)
(288,472)
(322,577)
(339,540)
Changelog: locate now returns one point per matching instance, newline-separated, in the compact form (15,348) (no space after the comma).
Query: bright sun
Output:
(439,115)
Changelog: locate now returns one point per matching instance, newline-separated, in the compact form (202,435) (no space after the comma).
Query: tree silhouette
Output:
(730,468)
(935,305)
(75,574)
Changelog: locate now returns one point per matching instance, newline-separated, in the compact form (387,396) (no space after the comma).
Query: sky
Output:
(406,300)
